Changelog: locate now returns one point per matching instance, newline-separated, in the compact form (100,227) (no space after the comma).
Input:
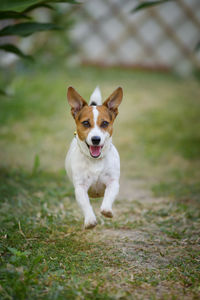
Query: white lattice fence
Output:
(165,36)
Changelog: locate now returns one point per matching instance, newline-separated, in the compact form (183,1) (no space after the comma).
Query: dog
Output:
(92,162)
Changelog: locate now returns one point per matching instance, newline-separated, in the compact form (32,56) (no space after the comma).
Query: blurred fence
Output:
(107,32)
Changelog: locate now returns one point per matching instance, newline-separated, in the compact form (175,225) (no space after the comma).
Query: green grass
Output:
(150,249)
(44,252)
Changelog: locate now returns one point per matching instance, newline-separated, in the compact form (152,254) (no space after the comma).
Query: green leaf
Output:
(13,49)
(64,1)
(37,6)
(12,15)
(2,92)
(37,260)
(27,28)
(69,1)
(147,4)
(36,164)
(47,5)
(21,5)
(16,5)
(18,253)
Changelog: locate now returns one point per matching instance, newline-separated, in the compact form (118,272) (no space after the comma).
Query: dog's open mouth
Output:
(95,151)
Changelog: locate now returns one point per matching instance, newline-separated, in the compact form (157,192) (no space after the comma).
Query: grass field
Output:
(151,248)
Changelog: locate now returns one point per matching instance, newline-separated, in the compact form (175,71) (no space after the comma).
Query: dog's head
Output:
(94,122)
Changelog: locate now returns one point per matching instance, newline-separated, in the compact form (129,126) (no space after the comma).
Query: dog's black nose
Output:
(96,140)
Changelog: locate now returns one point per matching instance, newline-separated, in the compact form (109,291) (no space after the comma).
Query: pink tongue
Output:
(95,150)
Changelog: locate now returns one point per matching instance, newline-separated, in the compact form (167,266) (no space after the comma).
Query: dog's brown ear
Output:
(75,100)
(114,100)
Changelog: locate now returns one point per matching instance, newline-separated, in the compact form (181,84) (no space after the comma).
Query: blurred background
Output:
(110,32)
(162,37)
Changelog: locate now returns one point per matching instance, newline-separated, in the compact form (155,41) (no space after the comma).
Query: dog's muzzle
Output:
(95,151)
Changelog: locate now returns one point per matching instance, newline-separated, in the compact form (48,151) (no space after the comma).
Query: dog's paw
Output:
(107,212)
(90,223)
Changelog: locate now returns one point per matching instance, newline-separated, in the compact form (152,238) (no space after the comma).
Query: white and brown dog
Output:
(92,162)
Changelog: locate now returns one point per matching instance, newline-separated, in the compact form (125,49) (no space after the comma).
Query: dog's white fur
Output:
(96,97)
(94,176)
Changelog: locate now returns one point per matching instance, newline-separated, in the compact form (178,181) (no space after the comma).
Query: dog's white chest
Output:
(91,173)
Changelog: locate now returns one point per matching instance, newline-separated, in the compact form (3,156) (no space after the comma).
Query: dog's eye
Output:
(86,124)
(104,124)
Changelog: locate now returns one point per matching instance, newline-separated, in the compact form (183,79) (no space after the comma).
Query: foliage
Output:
(27,5)
(19,10)
(22,24)
(26,28)
(148,4)
(13,49)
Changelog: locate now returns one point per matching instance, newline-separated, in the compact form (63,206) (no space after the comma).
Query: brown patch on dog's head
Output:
(83,114)
(105,119)
(109,110)
(84,122)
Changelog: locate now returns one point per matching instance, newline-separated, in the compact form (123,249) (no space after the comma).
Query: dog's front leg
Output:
(111,192)
(84,202)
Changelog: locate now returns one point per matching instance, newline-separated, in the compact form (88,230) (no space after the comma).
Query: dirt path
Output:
(140,231)
(132,204)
